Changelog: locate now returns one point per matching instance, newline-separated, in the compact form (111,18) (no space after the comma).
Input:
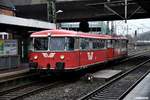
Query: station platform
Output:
(141,91)
(106,74)
(23,68)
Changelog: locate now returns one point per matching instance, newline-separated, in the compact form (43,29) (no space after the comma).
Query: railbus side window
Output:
(109,44)
(84,44)
(76,45)
(70,43)
(124,43)
(116,44)
(121,43)
(90,44)
(95,44)
(102,44)
(99,44)
(113,43)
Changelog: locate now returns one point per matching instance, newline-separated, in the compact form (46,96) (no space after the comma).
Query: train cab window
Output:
(41,43)
(57,43)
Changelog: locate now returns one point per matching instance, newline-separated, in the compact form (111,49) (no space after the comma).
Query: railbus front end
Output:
(54,53)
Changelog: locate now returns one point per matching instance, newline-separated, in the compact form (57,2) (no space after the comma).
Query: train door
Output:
(100,50)
(110,49)
(73,50)
(115,45)
(77,49)
(124,47)
(86,54)
(117,48)
(70,54)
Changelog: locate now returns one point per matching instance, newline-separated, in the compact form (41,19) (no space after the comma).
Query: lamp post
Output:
(52,13)
(126,10)
(51,10)
(57,24)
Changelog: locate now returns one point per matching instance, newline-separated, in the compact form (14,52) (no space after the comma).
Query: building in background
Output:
(98,27)
(32,9)
(7,8)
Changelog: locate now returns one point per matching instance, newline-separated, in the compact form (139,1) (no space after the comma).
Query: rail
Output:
(98,93)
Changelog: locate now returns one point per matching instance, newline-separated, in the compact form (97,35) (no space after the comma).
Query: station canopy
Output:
(76,10)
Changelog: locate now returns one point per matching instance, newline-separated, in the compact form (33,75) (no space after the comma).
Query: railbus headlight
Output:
(35,57)
(62,57)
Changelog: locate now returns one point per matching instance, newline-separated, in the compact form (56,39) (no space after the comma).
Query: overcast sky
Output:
(141,25)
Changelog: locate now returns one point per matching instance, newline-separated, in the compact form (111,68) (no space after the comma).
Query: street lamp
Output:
(59,11)
(52,13)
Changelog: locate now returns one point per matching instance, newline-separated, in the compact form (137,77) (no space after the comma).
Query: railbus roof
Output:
(68,33)
(116,37)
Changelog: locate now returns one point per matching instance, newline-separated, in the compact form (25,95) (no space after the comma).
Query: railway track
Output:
(130,53)
(81,86)
(19,92)
(117,88)
(18,87)
(133,51)
(17,77)
(26,89)
(138,60)
(11,81)
(134,55)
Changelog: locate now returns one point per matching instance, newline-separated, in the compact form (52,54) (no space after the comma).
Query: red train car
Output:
(69,50)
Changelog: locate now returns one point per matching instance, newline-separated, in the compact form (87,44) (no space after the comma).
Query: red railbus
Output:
(69,50)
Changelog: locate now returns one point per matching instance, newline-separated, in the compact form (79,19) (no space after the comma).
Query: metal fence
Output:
(7,62)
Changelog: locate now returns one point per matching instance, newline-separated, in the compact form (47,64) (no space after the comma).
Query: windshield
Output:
(41,43)
(57,43)
(53,43)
